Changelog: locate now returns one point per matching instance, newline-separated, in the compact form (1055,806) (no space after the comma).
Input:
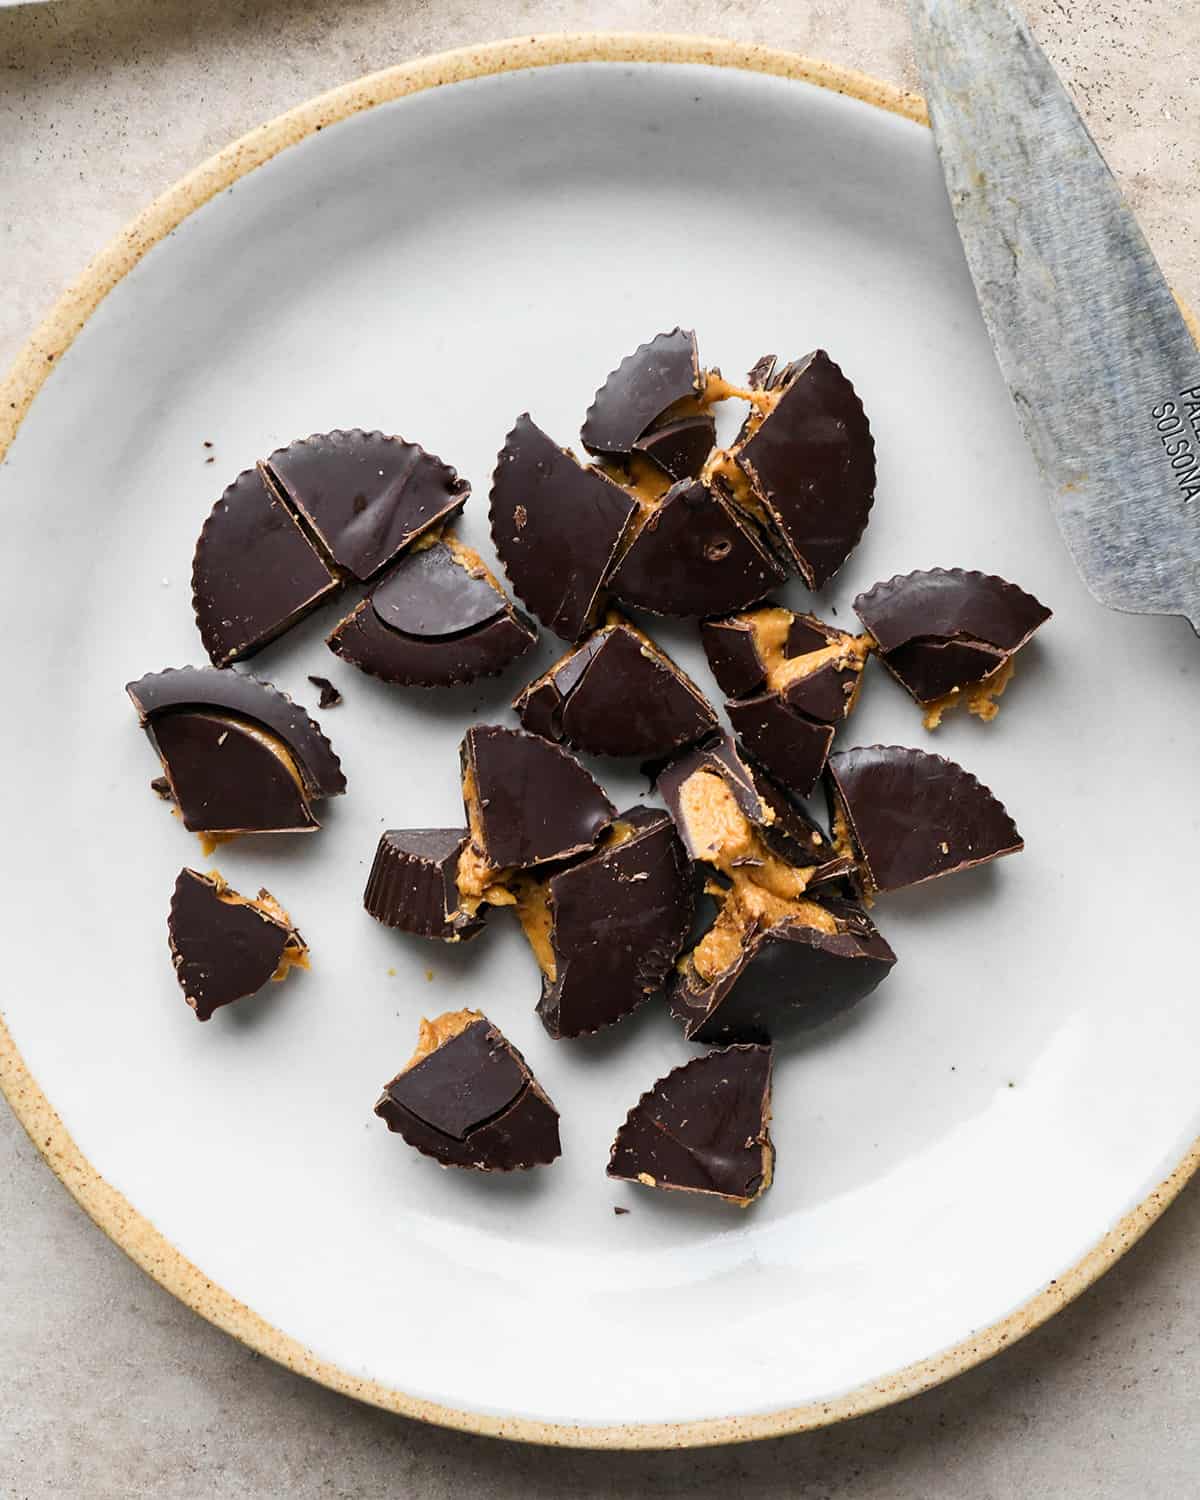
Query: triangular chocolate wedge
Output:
(413,884)
(704,1128)
(225,946)
(617,694)
(680,448)
(642,388)
(466,1097)
(908,817)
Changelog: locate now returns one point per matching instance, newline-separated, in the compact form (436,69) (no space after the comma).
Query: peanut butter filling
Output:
(771,628)
(478,881)
(468,558)
(436,1033)
(843,844)
(978,698)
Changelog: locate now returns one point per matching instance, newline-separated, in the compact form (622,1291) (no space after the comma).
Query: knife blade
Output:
(1098,359)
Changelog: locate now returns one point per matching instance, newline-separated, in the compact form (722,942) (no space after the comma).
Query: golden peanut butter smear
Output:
(771,628)
(978,698)
(436,1033)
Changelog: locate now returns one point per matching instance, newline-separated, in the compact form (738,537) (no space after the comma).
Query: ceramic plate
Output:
(960,1154)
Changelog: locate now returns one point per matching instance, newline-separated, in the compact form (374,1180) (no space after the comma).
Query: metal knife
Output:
(1099,361)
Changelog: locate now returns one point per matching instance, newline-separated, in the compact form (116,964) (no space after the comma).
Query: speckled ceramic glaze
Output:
(438,248)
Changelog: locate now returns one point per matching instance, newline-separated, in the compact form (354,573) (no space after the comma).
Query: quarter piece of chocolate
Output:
(949,636)
(225,946)
(606,930)
(438,619)
(728,814)
(761,971)
(528,802)
(239,755)
(466,1097)
(413,884)
(680,447)
(809,457)
(908,817)
(255,572)
(366,496)
(695,553)
(642,388)
(557,527)
(330,696)
(704,1128)
(792,679)
(617,694)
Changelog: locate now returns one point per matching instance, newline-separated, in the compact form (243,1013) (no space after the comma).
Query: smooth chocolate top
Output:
(536,802)
(413,884)
(245,697)
(914,816)
(680,448)
(948,604)
(556,526)
(627,700)
(619,919)
(366,495)
(255,573)
(431,593)
(639,391)
(696,554)
(467,1080)
(791,746)
(227,779)
(222,950)
(812,463)
(429,661)
(703,1127)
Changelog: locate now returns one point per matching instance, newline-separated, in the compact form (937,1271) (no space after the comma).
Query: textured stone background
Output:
(109,1388)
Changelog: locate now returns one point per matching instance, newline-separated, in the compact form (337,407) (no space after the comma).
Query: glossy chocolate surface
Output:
(255,573)
(703,1128)
(914,816)
(791,746)
(557,527)
(366,496)
(618,920)
(628,699)
(226,778)
(413,884)
(222,950)
(680,448)
(637,393)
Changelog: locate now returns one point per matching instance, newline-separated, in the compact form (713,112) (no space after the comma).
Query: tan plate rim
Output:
(140,1240)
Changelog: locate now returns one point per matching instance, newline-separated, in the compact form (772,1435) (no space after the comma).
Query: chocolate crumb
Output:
(617,1209)
(330,696)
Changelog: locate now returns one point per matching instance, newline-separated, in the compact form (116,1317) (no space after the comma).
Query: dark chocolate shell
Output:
(811,463)
(638,392)
(733,651)
(680,448)
(947,628)
(225,946)
(227,776)
(696,554)
(413,884)
(788,977)
(557,527)
(532,802)
(629,698)
(617,920)
(255,573)
(912,816)
(472,1102)
(793,747)
(436,620)
(364,495)
(704,1128)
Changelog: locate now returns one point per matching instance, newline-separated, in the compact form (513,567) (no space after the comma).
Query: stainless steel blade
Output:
(1101,366)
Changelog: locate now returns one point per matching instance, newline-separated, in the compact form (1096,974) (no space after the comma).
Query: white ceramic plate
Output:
(947,1155)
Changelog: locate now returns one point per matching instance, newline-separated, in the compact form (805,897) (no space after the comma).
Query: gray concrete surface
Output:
(108,1388)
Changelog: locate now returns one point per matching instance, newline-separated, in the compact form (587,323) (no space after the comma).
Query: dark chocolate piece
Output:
(162,788)
(244,697)
(786,975)
(696,554)
(680,448)
(330,696)
(792,746)
(255,572)
(225,946)
(557,527)
(811,463)
(782,825)
(439,619)
(703,1128)
(629,698)
(640,390)
(909,817)
(944,630)
(468,1099)
(413,884)
(366,496)
(527,801)
(606,931)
